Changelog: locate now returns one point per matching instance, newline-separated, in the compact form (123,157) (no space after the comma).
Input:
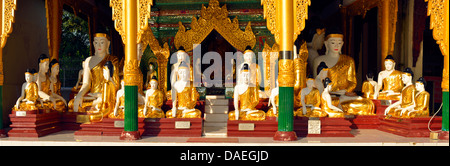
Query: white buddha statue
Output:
(29,96)
(315,44)
(390,80)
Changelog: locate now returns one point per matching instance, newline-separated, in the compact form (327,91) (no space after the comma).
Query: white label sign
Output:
(21,113)
(119,123)
(246,127)
(314,126)
(182,125)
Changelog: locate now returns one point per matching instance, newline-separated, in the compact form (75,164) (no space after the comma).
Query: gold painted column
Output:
(8,8)
(388,19)
(54,21)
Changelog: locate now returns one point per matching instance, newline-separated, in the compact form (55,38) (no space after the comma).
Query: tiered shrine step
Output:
(164,127)
(34,123)
(322,127)
(73,120)
(414,127)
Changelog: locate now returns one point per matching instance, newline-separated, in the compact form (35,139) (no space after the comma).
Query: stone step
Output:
(216,118)
(215,97)
(215,131)
(210,109)
(217,102)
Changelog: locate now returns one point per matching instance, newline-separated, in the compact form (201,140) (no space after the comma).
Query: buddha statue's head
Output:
(334,41)
(310,81)
(421,84)
(183,71)
(407,76)
(151,68)
(108,70)
(154,83)
(327,84)
(101,44)
(54,67)
(29,76)
(181,55)
(389,63)
(44,62)
(245,74)
(248,55)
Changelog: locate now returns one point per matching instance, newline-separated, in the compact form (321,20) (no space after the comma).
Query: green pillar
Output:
(131,109)
(286,109)
(445,114)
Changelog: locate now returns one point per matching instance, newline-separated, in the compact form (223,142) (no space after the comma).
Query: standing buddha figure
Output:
(29,94)
(154,99)
(185,96)
(104,105)
(390,80)
(246,98)
(407,96)
(93,74)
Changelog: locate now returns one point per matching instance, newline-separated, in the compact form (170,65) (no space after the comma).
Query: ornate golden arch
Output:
(214,18)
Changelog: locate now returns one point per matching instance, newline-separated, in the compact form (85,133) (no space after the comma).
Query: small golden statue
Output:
(369,86)
(421,104)
(186,96)
(246,98)
(390,80)
(104,105)
(154,99)
(407,97)
(309,99)
(29,95)
(43,82)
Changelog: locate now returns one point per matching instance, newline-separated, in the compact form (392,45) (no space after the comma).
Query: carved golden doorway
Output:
(213,28)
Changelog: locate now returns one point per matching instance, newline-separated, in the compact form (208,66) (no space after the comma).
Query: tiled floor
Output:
(363,137)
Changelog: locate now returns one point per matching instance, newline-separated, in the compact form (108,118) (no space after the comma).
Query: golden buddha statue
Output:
(79,83)
(104,105)
(309,100)
(186,96)
(43,82)
(93,74)
(341,69)
(58,102)
(407,97)
(422,99)
(328,109)
(29,94)
(154,99)
(390,80)
(369,86)
(246,98)
(150,74)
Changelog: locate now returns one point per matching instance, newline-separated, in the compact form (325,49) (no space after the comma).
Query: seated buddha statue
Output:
(29,96)
(422,99)
(93,74)
(327,107)
(246,98)
(59,103)
(43,82)
(249,58)
(104,105)
(369,86)
(407,96)
(182,56)
(154,99)
(79,83)
(185,96)
(389,81)
(322,71)
(341,69)
(309,100)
